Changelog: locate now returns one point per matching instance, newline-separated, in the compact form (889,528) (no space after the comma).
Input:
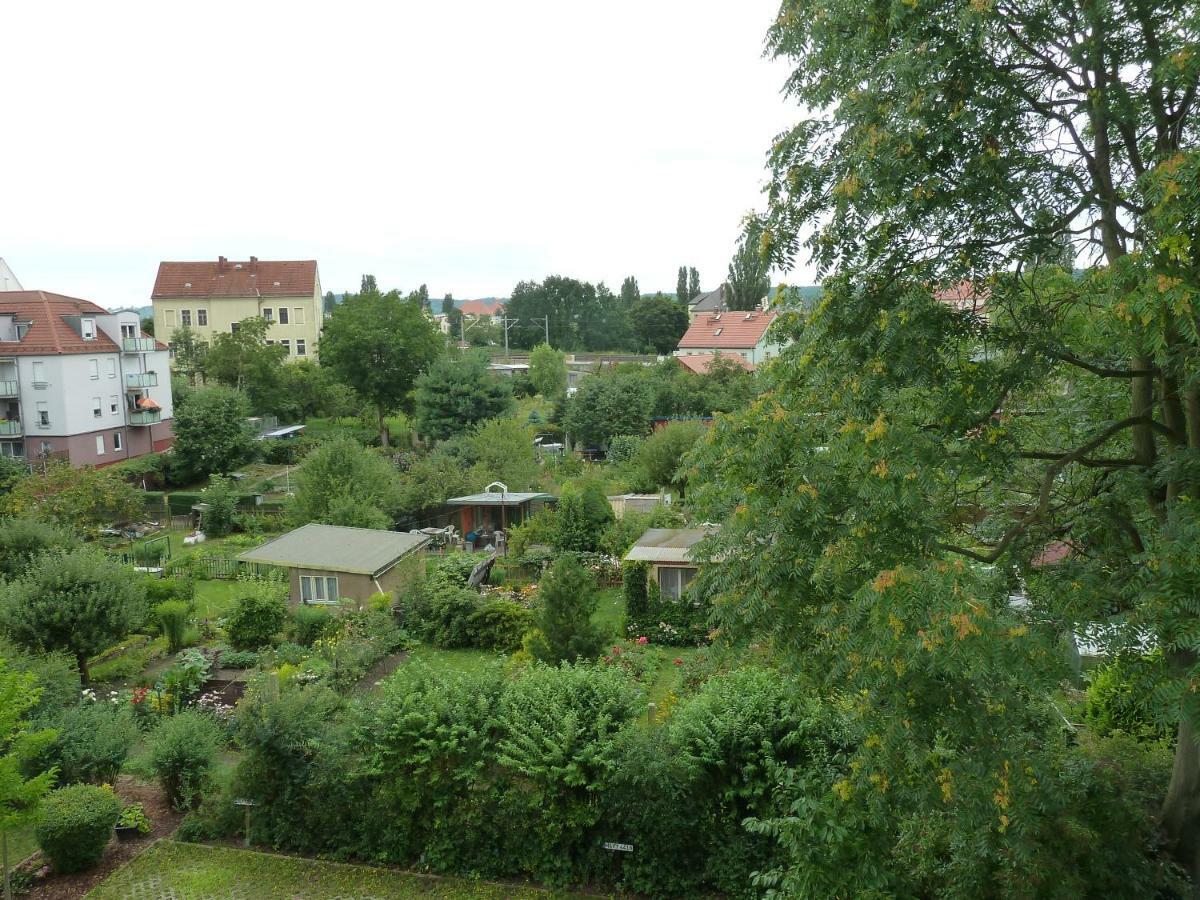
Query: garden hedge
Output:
(76,824)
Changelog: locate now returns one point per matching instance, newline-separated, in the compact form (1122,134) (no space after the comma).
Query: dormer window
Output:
(88,329)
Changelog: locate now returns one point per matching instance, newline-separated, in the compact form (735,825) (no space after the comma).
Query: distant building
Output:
(212,297)
(738,334)
(8,281)
(709,302)
(701,363)
(479,309)
(78,382)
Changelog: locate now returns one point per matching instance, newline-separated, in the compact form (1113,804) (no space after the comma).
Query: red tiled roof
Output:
(481,308)
(700,363)
(964,297)
(230,278)
(1054,552)
(727,331)
(50,334)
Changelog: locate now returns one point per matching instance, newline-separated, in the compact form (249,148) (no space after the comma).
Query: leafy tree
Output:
(378,344)
(220,499)
(244,360)
(454,320)
(660,460)
(343,483)
(568,600)
(71,498)
(693,284)
(12,470)
(330,301)
(630,292)
(369,285)
(428,481)
(458,391)
(548,371)
(748,281)
(584,514)
(421,296)
(957,403)
(447,304)
(148,325)
(259,613)
(605,406)
(572,306)
(190,354)
(681,286)
(502,450)
(78,601)
(659,322)
(305,390)
(19,742)
(211,433)
(24,540)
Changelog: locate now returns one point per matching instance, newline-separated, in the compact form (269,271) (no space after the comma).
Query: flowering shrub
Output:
(636,658)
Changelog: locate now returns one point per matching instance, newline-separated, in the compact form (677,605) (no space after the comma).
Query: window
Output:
(674,581)
(43,414)
(202,317)
(268,314)
(318,589)
(47,448)
(185,318)
(233,328)
(299,317)
(283,315)
(88,327)
(170,316)
(112,404)
(300,351)
(112,367)
(129,330)
(99,445)
(97,408)
(116,440)
(39,373)
(94,369)
(286,345)
(270,343)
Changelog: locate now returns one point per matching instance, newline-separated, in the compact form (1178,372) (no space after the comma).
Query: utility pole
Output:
(545,320)
(507,323)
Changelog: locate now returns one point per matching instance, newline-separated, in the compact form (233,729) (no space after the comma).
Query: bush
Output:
(1120,698)
(160,590)
(633,579)
(565,631)
(172,616)
(309,623)
(258,615)
(94,739)
(75,826)
(499,625)
(57,677)
(182,751)
(239,659)
(220,504)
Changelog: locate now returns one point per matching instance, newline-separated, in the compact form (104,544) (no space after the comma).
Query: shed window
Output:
(674,581)
(318,589)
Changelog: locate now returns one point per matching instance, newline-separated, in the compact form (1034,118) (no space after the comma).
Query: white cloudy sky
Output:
(466,145)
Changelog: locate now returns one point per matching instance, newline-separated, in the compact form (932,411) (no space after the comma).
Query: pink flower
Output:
(678,661)
(643,640)
(616,650)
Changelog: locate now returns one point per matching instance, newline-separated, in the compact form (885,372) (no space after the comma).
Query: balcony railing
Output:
(137,380)
(137,345)
(8,388)
(10,428)
(145,417)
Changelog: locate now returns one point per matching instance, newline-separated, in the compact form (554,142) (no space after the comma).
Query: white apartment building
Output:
(78,382)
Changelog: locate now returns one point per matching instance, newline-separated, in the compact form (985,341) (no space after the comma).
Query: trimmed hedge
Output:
(76,825)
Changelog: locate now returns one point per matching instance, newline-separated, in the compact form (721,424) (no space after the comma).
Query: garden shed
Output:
(669,553)
(334,565)
(496,509)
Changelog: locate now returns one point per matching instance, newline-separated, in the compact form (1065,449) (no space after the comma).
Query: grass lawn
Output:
(214,598)
(22,843)
(167,870)
(610,611)
(456,660)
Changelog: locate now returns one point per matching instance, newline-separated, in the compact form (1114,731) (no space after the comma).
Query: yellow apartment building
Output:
(212,297)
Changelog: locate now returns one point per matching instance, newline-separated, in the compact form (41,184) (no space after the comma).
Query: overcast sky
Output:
(466,145)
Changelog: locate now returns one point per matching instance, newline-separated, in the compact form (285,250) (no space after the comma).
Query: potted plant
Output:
(132,822)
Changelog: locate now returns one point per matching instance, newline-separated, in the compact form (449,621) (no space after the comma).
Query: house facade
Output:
(483,309)
(78,382)
(211,298)
(741,334)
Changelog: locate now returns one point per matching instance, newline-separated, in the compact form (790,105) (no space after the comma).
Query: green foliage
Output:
(567,600)
(56,679)
(304,390)
(19,743)
(172,617)
(239,659)
(1120,697)
(183,750)
(344,483)
(78,601)
(583,516)
(660,462)
(676,623)
(633,582)
(659,323)
(259,613)
(499,625)
(189,357)
(220,499)
(308,623)
(582,316)
(76,825)
(244,360)
(502,450)
(93,740)
(605,406)
(622,448)
(133,815)
(748,281)
(211,434)
(23,540)
(458,391)
(624,532)
(73,499)
(378,344)
(548,371)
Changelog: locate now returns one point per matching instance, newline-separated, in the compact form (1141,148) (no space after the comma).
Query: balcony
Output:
(8,388)
(137,345)
(135,381)
(10,428)
(145,416)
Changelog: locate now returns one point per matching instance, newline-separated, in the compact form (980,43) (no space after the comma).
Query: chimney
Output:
(254,264)
(221,260)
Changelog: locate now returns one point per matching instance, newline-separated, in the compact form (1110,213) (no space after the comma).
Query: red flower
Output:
(678,661)
(643,640)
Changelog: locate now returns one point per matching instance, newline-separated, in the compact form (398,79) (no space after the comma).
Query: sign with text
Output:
(623,848)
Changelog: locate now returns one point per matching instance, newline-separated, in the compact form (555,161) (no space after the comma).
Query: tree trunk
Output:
(1181,809)
(384,436)
(84,675)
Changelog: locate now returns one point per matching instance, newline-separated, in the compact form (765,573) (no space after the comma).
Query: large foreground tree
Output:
(959,403)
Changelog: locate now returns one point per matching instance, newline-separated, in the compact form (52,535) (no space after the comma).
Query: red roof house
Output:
(736,333)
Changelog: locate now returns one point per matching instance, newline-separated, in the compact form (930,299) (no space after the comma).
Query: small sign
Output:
(240,802)
(623,848)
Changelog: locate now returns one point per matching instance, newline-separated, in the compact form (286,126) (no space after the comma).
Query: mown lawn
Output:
(168,870)
(214,598)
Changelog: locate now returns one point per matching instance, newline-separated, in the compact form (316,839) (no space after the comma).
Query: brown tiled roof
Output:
(700,363)
(481,308)
(229,278)
(964,297)
(727,331)
(50,334)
